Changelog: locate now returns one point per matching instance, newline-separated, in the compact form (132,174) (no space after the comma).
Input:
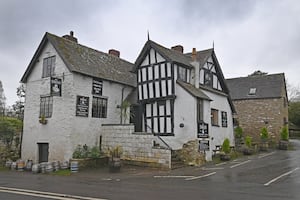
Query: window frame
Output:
(214,117)
(46,106)
(224,119)
(48,66)
(99,107)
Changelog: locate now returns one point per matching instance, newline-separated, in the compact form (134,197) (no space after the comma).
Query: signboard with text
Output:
(82,106)
(97,87)
(55,86)
(202,130)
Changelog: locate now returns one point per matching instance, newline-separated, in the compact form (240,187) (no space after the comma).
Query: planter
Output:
(264,146)
(224,157)
(43,121)
(283,145)
(248,151)
(114,164)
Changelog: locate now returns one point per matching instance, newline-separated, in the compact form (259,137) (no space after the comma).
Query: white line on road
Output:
(265,155)
(211,168)
(242,163)
(222,163)
(170,176)
(49,195)
(199,177)
(279,177)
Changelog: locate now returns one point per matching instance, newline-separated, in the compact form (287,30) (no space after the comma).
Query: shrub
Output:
(238,132)
(284,133)
(86,152)
(226,146)
(264,135)
(248,141)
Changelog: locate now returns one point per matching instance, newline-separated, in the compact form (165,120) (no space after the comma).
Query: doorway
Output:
(43,152)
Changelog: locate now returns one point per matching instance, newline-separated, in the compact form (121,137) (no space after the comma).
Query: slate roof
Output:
(267,86)
(87,61)
(196,92)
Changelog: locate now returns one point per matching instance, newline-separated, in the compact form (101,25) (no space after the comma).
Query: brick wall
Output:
(138,148)
(254,114)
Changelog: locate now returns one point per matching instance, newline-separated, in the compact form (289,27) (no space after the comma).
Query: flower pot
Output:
(224,157)
(114,164)
(283,145)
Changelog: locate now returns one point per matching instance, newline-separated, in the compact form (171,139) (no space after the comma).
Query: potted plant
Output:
(264,136)
(284,140)
(114,161)
(247,150)
(238,133)
(225,150)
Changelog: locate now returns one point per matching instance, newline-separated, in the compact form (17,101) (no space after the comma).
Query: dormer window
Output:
(252,91)
(48,66)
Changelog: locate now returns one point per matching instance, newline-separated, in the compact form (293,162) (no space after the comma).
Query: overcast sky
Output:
(248,35)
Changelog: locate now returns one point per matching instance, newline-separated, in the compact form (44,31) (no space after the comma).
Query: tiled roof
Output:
(88,61)
(196,92)
(267,86)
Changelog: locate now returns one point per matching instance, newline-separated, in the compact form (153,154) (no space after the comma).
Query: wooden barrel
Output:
(20,165)
(56,165)
(36,168)
(49,167)
(74,166)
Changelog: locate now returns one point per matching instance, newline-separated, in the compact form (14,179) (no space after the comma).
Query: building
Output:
(71,90)
(260,101)
(183,97)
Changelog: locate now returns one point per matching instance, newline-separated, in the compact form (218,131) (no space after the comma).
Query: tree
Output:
(2,100)
(18,107)
(294,113)
(293,92)
(10,129)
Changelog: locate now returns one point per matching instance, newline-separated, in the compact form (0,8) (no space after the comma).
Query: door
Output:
(43,152)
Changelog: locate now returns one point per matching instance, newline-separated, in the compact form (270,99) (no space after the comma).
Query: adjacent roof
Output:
(87,61)
(267,86)
(196,92)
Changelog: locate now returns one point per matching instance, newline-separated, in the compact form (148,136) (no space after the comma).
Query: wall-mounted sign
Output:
(97,87)
(204,145)
(82,106)
(55,86)
(202,130)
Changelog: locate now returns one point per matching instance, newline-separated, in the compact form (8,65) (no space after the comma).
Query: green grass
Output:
(62,172)
(3,168)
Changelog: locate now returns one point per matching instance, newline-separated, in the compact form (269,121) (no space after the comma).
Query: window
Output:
(182,74)
(48,66)
(214,117)
(252,91)
(208,78)
(99,109)
(224,119)
(200,110)
(46,105)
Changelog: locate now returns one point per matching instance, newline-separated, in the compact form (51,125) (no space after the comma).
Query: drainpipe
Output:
(121,107)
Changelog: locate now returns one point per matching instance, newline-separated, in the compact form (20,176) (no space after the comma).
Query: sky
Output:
(247,35)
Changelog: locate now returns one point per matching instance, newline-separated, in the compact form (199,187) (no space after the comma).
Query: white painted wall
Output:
(64,131)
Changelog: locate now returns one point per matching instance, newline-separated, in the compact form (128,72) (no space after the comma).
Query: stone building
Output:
(260,101)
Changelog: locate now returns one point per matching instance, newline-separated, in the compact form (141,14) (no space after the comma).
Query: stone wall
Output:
(137,148)
(257,113)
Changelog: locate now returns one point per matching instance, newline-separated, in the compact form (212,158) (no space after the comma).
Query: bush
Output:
(226,146)
(248,141)
(86,152)
(238,132)
(284,133)
(264,135)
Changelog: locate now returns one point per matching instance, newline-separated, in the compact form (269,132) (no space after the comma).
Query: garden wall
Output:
(140,148)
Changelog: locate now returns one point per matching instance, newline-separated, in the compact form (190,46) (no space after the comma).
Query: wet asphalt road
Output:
(264,176)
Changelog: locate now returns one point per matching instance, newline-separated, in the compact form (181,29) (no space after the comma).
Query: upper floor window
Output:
(224,119)
(208,80)
(214,117)
(252,91)
(99,109)
(46,106)
(182,74)
(48,66)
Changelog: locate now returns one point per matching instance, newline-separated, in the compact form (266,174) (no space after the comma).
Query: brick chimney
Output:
(114,52)
(71,37)
(178,48)
(194,54)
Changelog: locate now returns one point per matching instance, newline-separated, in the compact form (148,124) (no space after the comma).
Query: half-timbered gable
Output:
(180,92)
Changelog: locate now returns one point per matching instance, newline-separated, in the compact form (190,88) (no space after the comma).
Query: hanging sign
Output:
(202,130)
(204,145)
(55,86)
(97,87)
(82,106)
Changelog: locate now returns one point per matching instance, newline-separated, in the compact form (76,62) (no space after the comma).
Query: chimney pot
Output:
(194,54)
(114,52)
(71,33)
(71,37)
(178,48)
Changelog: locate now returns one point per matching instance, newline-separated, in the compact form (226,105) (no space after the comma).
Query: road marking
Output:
(170,176)
(211,168)
(242,163)
(222,163)
(265,155)
(199,177)
(279,177)
(49,195)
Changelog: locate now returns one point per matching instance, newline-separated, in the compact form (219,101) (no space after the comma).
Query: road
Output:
(264,176)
